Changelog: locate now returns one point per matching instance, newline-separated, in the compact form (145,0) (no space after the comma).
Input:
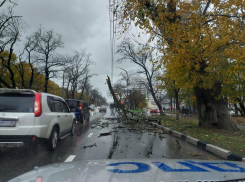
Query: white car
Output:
(232,112)
(27,116)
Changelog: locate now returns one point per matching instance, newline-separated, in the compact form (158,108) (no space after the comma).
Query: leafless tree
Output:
(10,27)
(142,59)
(49,63)
(85,81)
(78,71)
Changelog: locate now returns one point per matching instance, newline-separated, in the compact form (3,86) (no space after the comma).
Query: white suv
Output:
(28,116)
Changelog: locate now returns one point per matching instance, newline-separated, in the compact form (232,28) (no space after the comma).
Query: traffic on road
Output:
(122,90)
(66,137)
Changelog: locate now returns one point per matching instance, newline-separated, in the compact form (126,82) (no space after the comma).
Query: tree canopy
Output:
(201,44)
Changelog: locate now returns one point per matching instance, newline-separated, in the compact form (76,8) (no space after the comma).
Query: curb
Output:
(223,153)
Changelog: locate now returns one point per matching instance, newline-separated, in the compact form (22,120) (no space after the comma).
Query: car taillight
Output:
(38,105)
(80,106)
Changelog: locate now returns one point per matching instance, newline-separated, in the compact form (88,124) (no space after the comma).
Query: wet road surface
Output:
(123,143)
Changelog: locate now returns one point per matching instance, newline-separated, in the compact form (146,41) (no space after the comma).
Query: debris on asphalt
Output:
(161,137)
(178,144)
(118,127)
(195,155)
(89,146)
(105,134)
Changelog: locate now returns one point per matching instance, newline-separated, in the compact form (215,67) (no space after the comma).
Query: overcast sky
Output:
(82,24)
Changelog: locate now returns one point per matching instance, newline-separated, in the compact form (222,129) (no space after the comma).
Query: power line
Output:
(111,38)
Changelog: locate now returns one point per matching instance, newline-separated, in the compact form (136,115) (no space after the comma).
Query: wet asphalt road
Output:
(122,144)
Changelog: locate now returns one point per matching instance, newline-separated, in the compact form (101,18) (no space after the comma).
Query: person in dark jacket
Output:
(183,111)
(78,114)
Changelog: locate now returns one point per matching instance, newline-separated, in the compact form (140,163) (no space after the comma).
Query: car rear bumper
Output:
(16,140)
(39,131)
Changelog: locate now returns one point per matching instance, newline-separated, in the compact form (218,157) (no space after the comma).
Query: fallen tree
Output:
(120,106)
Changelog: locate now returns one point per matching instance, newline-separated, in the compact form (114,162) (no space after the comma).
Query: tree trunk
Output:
(176,94)
(194,107)
(157,103)
(4,83)
(242,108)
(85,82)
(189,105)
(171,105)
(213,112)
(32,76)
(236,109)
(46,85)
(174,105)
(226,101)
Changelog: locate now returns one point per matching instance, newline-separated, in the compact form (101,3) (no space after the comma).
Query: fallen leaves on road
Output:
(178,144)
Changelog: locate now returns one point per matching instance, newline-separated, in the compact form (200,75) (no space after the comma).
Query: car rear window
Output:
(72,104)
(10,102)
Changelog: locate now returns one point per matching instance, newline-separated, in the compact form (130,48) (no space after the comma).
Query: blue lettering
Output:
(192,168)
(211,166)
(141,167)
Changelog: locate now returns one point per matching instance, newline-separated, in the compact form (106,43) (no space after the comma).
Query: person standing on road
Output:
(183,111)
(78,114)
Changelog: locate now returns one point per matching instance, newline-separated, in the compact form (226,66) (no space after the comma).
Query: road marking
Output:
(70,158)
(90,134)
(65,136)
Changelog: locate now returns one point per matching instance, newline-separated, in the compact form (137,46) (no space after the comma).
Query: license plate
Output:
(7,123)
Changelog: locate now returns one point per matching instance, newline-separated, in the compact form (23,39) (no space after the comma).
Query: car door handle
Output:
(58,116)
(66,115)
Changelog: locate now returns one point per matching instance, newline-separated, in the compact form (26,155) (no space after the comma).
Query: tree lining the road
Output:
(202,43)
(10,28)
(39,59)
(141,58)
(133,93)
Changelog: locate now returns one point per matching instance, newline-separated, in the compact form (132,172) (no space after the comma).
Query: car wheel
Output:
(53,139)
(73,128)
(88,118)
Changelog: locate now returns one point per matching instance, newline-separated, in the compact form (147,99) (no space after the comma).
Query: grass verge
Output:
(232,141)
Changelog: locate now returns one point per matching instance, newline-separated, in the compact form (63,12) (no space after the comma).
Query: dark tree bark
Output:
(46,79)
(194,108)
(177,109)
(9,59)
(236,110)
(213,112)
(171,104)
(242,108)
(4,83)
(85,82)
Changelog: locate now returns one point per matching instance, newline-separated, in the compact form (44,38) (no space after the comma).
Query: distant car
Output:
(27,116)
(102,109)
(112,106)
(153,110)
(80,109)
(232,112)
(92,107)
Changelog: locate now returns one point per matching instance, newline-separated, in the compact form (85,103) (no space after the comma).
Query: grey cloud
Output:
(82,24)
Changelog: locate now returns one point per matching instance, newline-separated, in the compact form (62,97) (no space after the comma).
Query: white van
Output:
(27,116)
